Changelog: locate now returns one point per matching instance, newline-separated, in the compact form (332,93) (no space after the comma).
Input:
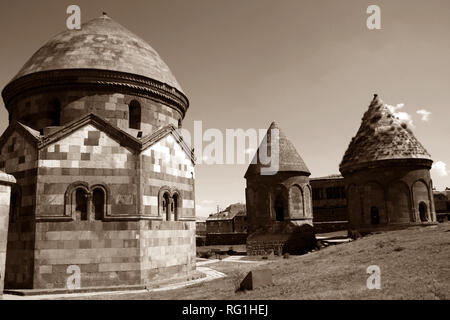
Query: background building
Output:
(442,204)
(329,203)
(228,226)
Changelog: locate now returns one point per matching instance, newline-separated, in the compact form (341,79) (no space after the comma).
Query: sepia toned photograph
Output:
(224,158)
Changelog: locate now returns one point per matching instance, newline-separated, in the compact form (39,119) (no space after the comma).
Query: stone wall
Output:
(226,238)
(166,167)
(261,197)
(167,249)
(121,240)
(6,182)
(37,110)
(394,192)
(18,157)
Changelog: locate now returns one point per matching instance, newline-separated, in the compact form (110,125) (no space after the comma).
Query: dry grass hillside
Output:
(414,264)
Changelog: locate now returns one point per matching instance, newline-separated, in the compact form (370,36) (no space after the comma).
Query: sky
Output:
(312,66)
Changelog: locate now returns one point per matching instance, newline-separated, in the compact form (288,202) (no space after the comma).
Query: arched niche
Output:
(420,194)
(373,197)
(280,208)
(399,203)
(307,201)
(354,205)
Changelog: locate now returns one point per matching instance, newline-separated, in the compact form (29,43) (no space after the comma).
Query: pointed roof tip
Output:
(376,100)
(289,160)
(105,16)
(274,124)
(381,136)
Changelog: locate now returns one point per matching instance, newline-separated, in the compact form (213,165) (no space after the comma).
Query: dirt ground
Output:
(414,264)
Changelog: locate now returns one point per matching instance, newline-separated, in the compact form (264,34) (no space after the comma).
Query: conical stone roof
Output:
(381,136)
(101,44)
(288,158)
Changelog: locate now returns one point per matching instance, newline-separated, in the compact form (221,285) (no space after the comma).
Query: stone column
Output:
(6,181)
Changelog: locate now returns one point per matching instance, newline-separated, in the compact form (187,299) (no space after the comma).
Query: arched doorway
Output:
(374,215)
(423,211)
(279,208)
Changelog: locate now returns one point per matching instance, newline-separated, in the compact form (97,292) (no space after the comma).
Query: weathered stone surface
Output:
(6,182)
(278,201)
(96,190)
(387,174)
(256,279)
(104,44)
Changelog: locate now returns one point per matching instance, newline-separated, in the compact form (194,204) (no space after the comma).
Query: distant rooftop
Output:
(229,213)
(329,177)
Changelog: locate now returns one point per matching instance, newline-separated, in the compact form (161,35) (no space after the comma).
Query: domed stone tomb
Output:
(387,174)
(105,184)
(278,198)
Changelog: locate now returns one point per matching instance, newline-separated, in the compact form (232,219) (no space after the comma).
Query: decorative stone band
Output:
(116,217)
(94,77)
(138,145)
(417,162)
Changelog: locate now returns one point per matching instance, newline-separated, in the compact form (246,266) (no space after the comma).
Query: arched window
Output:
(98,203)
(166,205)
(374,215)
(55,112)
(423,212)
(81,201)
(279,208)
(134,115)
(176,205)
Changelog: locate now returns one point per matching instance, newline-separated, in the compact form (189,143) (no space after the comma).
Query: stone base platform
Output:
(36,292)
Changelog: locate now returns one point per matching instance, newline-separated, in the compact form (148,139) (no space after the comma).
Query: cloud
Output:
(404,116)
(440,168)
(424,113)
(204,209)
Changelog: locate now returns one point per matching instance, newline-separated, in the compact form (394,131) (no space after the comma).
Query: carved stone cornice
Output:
(388,163)
(97,78)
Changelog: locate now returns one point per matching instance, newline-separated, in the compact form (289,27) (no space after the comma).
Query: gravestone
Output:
(257,279)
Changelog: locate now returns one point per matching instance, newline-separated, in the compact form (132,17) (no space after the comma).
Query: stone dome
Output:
(382,136)
(289,160)
(101,44)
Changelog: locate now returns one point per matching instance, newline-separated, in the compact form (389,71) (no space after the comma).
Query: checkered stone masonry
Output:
(18,157)
(109,253)
(93,157)
(35,110)
(165,164)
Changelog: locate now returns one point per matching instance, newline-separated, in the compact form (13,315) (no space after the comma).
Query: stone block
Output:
(257,279)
